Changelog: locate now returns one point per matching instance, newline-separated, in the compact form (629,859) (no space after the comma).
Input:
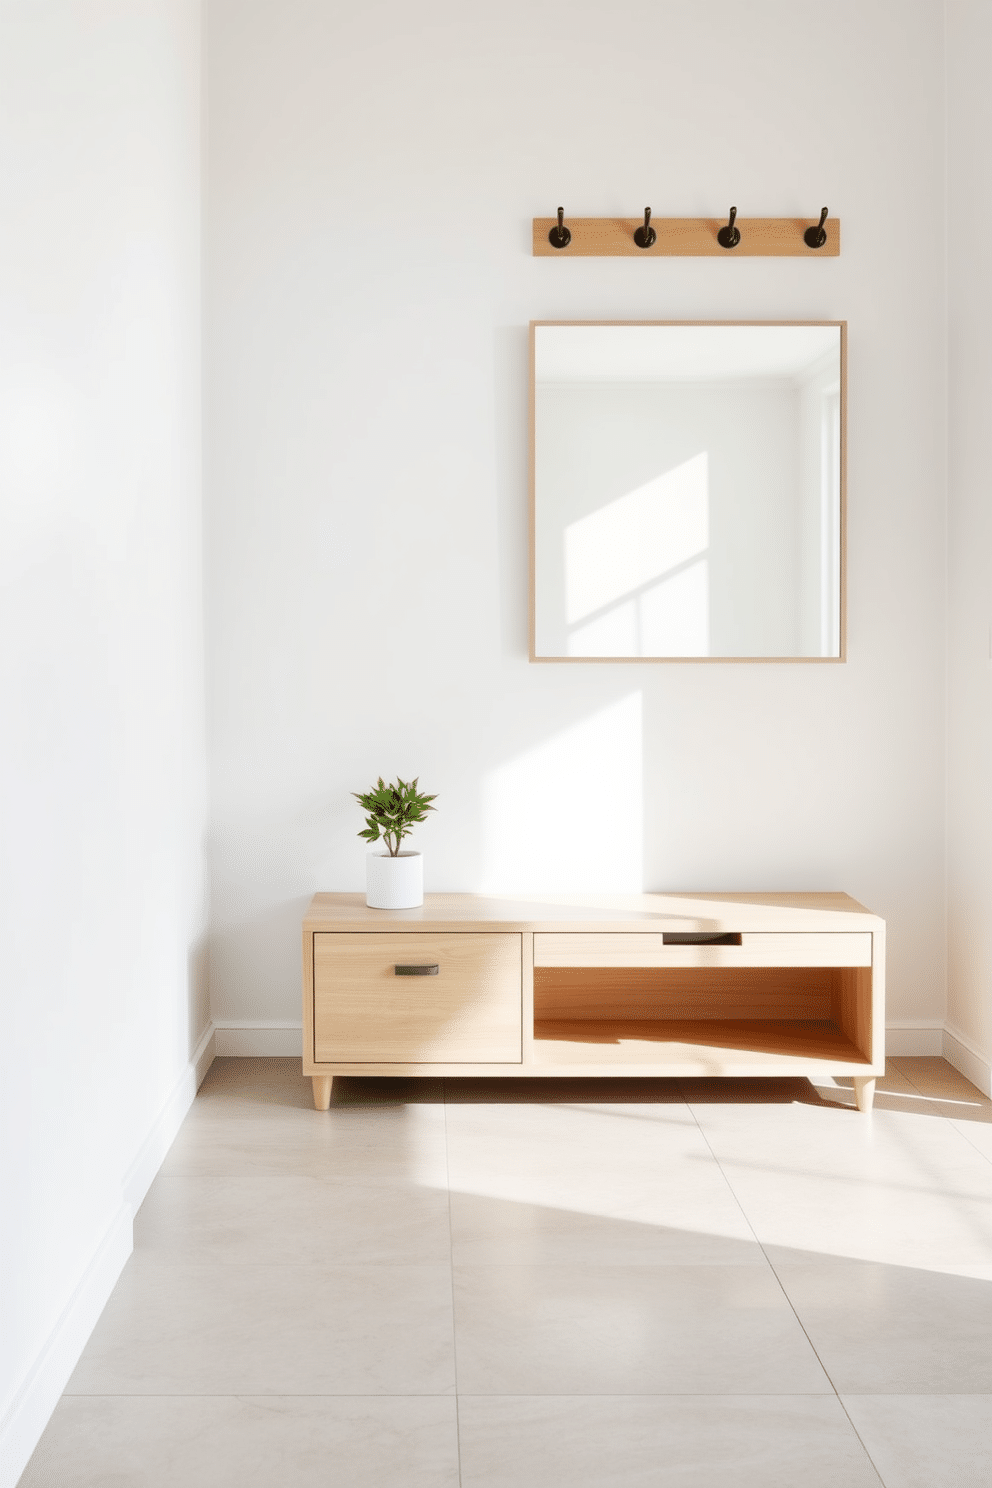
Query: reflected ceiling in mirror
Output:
(687,491)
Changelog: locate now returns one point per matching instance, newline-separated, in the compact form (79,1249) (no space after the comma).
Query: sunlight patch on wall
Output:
(568,814)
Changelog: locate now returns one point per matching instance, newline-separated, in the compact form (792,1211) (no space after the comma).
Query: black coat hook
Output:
(815,237)
(729,236)
(560,237)
(646,235)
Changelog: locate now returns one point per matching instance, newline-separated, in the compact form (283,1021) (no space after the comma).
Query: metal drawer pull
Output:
(427,970)
(698,937)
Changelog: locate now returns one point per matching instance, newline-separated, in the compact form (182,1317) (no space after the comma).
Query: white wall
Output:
(969,45)
(373,172)
(102,769)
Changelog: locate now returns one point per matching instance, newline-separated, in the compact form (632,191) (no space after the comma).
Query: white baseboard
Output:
(959,1050)
(31,1408)
(935,1038)
(915,1036)
(151,1155)
(254,1037)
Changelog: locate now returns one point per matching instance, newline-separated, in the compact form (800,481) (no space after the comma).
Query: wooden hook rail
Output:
(686,237)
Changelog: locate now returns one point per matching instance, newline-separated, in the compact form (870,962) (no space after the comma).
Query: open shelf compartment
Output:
(760,1016)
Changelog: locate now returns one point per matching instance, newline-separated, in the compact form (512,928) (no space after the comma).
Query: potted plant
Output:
(393,879)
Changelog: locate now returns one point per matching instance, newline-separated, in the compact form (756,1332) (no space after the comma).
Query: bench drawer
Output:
(755,949)
(366,1011)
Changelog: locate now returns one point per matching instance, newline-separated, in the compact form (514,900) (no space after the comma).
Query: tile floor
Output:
(557,1284)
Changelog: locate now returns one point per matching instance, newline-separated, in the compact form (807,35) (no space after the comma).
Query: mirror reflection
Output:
(687,491)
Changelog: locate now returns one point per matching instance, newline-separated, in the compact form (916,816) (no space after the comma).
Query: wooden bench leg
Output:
(864,1092)
(322,1091)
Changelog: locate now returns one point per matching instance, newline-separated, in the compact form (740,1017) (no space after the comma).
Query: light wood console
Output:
(645,984)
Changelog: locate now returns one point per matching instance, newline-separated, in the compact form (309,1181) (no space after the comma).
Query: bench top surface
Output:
(700,912)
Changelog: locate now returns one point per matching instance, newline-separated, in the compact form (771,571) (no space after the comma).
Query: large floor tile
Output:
(179,1328)
(776,1093)
(257,1087)
(253,1086)
(249,1442)
(488,1232)
(250,1120)
(940,1090)
(293,1222)
(839,1138)
(943,1090)
(893,1330)
(897,1188)
(501,1232)
(934,1077)
(644,1442)
(598,1330)
(893,1092)
(611,1162)
(392,1144)
(935,1441)
(978,1133)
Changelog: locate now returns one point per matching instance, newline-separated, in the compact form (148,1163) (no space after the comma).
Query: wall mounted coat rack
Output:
(686,237)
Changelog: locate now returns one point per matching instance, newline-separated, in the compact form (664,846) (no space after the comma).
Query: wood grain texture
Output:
(852,1007)
(756,949)
(877,1015)
(725,1046)
(308,1060)
(685,237)
(600,1061)
(669,993)
(470,1011)
(711,911)
(527,996)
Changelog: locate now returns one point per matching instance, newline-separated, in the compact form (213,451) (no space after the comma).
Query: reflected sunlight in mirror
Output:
(639,562)
(648,532)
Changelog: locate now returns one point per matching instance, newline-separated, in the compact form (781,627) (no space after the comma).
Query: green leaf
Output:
(392,810)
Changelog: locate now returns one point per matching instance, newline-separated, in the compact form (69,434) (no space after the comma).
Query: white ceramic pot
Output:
(394,883)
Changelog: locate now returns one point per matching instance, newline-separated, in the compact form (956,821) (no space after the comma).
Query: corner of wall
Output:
(965,1055)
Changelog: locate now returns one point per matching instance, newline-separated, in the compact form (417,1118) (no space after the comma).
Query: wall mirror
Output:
(687,497)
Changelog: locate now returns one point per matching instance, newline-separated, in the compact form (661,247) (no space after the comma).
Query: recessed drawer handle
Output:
(698,937)
(426,970)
